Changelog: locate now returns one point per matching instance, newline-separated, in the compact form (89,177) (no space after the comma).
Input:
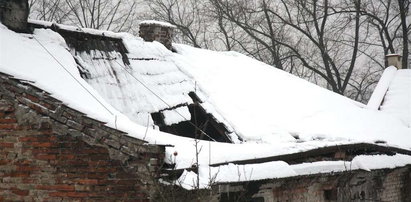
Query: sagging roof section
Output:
(330,153)
(143,85)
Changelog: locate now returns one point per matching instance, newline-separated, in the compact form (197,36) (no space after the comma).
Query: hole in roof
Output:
(202,125)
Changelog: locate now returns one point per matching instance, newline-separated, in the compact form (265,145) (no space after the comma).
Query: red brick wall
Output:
(154,32)
(396,187)
(67,156)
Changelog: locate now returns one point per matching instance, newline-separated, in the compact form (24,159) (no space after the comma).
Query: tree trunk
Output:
(404,6)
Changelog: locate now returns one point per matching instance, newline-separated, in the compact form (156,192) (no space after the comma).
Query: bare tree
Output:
(255,22)
(116,15)
(338,44)
(187,15)
(313,27)
(49,10)
(404,7)
(388,19)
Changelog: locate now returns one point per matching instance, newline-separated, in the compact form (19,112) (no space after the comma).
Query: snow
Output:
(392,54)
(264,104)
(274,112)
(381,161)
(381,88)
(155,22)
(76,29)
(176,115)
(23,57)
(150,83)
(134,89)
(397,101)
(233,173)
(279,169)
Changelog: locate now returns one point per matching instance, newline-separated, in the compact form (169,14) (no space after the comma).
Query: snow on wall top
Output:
(397,100)
(252,172)
(155,22)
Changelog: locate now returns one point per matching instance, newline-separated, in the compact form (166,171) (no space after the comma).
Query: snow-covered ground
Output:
(274,112)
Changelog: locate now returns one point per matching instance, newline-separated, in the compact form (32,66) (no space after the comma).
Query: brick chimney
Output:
(14,14)
(394,60)
(151,30)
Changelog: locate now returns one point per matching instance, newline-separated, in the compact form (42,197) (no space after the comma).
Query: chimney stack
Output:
(14,14)
(394,60)
(151,30)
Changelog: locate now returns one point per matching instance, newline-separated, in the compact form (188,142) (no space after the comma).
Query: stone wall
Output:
(377,185)
(49,151)
(157,32)
(14,14)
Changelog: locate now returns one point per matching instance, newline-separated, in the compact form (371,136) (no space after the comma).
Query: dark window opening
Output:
(258,199)
(330,194)
(362,195)
(232,197)
(239,196)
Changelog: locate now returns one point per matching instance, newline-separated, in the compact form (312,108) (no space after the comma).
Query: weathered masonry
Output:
(156,31)
(349,185)
(377,185)
(49,151)
(14,14)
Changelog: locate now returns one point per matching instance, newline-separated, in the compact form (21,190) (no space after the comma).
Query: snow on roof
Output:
(379,92)
(275,112)
(280,169)
(76,29)
(268,105)
(397,100)
(119,84)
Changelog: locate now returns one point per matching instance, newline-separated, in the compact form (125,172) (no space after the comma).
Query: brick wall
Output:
(396,186)
(51,152)
(156,32)
(378,185)
(14,14)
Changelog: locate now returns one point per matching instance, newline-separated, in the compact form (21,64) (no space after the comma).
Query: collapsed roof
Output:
(142,87)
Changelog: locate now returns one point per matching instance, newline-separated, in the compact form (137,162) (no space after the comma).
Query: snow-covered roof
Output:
(397,99)
(275,113)
(252,172)
(269,105)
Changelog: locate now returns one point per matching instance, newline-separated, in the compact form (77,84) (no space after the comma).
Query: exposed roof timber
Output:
(349,150)
(85,41)
(334,152)
(312,176)
(77,33)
